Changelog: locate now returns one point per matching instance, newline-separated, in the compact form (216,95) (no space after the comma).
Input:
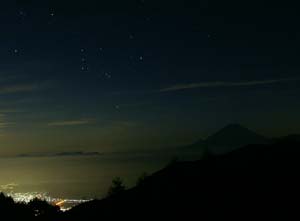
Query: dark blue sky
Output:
(119,75)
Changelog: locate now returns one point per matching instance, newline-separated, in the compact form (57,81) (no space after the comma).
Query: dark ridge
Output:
(257,181)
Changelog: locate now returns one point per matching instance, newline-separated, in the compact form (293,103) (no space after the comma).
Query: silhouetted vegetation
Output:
(14,211)
(35,210)
(173,161)
(116,187)
(141,180)
(43,209)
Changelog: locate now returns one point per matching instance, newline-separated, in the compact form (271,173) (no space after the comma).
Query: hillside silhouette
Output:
(257,181)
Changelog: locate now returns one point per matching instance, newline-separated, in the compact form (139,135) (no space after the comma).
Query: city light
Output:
(64,204)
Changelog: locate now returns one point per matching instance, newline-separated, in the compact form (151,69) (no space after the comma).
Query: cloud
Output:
(8,111)
(70,123)
(3,121)
(5,125)
(11,89)
(214,84)
(61,154)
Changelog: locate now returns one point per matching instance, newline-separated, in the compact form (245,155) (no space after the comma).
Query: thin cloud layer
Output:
(179,87)
(11,89)
(70,123)
(3,122)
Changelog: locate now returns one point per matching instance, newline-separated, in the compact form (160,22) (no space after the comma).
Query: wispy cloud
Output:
(214,84)
(17,88)
(5,125)
(9,111)
(3,121)
(71,123)
(61,154)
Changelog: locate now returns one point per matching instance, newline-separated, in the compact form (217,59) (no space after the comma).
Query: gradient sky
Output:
(127,75)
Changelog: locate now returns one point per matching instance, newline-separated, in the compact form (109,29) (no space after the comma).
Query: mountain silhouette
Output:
(229,138)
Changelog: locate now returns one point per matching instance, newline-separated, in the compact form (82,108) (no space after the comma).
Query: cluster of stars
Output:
(84,64)
(22,15)
(107,75)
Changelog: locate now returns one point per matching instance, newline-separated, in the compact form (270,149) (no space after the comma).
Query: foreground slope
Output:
(255,181)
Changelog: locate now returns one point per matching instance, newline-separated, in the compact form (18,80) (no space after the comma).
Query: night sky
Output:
(129,75)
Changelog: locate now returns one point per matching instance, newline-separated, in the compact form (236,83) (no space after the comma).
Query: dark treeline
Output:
(34,210)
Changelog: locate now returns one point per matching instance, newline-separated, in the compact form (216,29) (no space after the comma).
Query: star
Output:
(21,16)
(82,50)
(84,68)
(107,75)
(16,51)
(22,13)
(141,58)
